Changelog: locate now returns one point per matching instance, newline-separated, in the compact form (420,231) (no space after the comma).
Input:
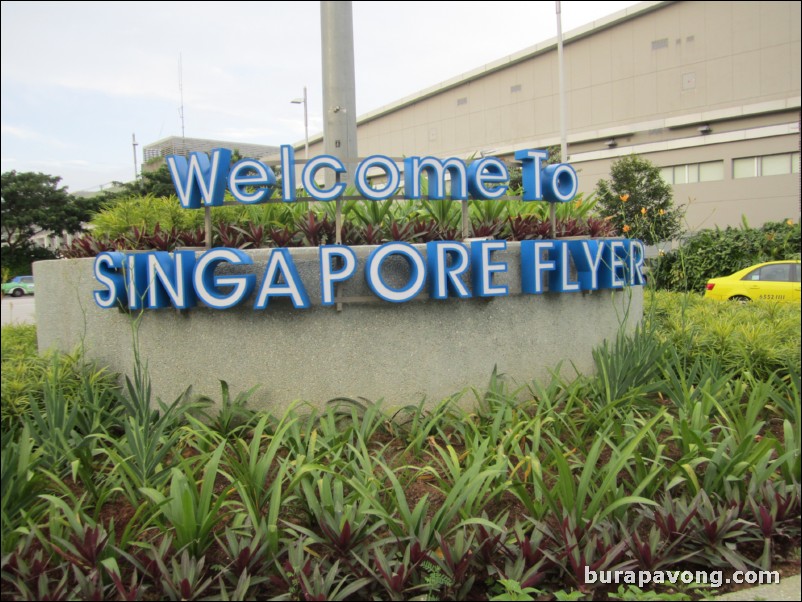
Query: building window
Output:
(712,171)
(766,165)
(744,168)
(691,173)
(775,165)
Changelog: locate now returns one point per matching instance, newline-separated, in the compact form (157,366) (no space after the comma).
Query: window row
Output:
(691,173)
(767,165)
(744,167)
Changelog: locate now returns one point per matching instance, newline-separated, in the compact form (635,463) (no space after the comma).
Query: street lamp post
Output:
(563,129)
(297,101)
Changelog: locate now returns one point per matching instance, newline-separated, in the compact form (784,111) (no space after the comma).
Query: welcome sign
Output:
(202,181)
(183,280)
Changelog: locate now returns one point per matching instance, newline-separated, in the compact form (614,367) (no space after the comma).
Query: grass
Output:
(682,451)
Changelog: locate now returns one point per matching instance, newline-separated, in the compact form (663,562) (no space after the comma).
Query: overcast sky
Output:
(79,78)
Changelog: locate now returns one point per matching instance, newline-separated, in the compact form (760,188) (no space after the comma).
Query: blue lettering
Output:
(328,275)
(109,272)
(200,179)
(482,269)
(391,172)
(435,170)
(170,279)
(280,266)
(207,283)
(444,278)
(489,170)
(417,269)
(251,173)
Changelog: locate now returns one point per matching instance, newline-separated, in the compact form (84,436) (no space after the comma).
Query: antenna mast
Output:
(181,92)
(207,211)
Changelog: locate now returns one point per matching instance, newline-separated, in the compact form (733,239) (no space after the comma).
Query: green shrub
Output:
(144,212)
(713,253)
(25,377)
(22,373)
(639,202)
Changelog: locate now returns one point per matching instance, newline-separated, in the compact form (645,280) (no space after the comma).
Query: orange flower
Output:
(643,210)
(790,222)
(626,228)
(624,197)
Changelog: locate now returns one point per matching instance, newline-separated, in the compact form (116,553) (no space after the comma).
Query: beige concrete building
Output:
(153,154)
(709,91)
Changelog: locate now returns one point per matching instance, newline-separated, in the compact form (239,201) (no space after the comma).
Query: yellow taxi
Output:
(771,281)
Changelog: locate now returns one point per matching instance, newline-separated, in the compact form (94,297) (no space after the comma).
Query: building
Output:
(153,155)
(709,91)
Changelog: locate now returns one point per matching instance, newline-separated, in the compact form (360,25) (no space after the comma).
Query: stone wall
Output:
(398,352)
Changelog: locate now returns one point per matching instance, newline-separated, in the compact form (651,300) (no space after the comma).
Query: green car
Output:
(21,285)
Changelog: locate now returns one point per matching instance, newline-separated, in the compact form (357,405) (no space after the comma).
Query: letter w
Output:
(198,178)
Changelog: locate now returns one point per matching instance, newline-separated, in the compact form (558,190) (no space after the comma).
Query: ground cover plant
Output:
(681,452)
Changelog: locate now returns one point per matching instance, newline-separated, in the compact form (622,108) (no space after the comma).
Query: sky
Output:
(80,78)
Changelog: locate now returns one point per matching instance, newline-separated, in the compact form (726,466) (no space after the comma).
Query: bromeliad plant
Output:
(192,513)
(151,223)
(667,456)
(341,518)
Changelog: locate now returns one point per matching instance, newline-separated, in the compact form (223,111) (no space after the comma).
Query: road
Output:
(19,310)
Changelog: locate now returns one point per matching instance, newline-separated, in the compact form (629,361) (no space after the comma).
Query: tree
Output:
(639,202)
(516,176)
(158,183)
(33,203)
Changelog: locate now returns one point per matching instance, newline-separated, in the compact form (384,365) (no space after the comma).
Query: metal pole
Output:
(339,87)
(207,224)
(466,220)
(339,92)
(136,169)
(563,131)
(338,222)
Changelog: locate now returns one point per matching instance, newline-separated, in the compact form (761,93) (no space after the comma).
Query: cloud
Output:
(93,73)
(19,132)
(28,135)
(133,50)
